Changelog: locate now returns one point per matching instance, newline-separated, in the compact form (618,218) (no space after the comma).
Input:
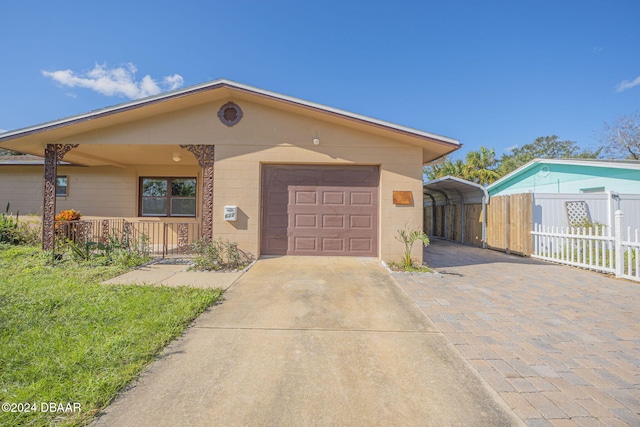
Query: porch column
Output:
(206,157)
(53,153)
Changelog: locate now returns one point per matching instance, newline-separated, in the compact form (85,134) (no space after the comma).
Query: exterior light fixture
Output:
(316,141)
(176,157)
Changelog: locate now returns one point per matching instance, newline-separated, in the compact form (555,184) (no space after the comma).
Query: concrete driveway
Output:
(311,341)
(560,345)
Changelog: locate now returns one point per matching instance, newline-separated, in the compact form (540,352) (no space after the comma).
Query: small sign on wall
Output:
(230,213)
(403,198)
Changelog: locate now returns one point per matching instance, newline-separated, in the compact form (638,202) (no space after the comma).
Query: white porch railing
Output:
(591,248)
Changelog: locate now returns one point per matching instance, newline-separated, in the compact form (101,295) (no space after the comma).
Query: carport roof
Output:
(450,188)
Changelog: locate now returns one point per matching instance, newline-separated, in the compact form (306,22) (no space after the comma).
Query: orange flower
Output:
(68,215)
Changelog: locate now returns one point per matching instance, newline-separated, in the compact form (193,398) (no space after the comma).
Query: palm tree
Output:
(447,168)
(480,166)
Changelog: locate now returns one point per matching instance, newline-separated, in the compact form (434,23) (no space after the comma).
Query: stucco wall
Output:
(103,191)
(264,135)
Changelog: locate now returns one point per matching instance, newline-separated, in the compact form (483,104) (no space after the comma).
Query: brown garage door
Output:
(320,210)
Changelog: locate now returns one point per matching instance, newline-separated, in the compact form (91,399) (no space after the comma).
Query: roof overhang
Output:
(33,139)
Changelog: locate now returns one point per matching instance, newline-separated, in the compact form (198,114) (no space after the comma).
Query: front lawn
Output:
(68,340)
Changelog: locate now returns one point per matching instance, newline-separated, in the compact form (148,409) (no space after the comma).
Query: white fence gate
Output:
(600,249)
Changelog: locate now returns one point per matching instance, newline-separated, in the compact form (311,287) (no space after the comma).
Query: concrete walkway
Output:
(311,341)
(560,345)
(174,273)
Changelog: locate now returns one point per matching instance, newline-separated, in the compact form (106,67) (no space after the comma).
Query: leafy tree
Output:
(621,138)
(479,166)
(544,147)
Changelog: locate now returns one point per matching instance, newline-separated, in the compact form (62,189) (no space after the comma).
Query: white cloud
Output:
(626,84)
(510,148)
(119,81)
(173,82)
(3,130)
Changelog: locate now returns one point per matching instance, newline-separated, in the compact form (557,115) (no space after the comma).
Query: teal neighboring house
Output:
(570,176)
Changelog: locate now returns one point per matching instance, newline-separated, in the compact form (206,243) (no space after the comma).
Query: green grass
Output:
(65,338)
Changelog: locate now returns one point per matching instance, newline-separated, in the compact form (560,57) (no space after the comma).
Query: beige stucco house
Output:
(304,178)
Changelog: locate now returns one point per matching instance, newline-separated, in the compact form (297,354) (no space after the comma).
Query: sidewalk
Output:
(174,273)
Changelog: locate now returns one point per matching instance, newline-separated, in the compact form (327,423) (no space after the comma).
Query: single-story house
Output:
(574,176)
(276,174)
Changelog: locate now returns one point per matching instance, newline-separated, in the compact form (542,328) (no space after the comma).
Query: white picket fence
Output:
(614,251)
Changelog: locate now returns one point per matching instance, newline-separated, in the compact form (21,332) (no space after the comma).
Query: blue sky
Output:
(494,73)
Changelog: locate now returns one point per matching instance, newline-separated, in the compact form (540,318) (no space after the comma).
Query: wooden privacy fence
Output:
(443,220)
(509,223)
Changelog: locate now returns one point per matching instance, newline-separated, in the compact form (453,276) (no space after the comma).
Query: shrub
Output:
(219,255)
(123,252)
(15,232)
(8,226)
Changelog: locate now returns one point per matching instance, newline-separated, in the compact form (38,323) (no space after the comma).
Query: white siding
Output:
(549,209)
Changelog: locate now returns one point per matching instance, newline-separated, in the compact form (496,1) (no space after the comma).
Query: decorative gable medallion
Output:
(230,113)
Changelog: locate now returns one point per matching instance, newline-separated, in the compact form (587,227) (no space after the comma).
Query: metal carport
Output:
(452,193)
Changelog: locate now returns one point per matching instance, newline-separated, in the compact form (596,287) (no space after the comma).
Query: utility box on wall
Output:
(230,213)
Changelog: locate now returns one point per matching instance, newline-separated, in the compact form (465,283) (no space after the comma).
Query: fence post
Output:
(618,244)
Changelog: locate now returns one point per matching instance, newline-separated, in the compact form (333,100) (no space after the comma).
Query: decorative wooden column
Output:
(206,157)
(53,154)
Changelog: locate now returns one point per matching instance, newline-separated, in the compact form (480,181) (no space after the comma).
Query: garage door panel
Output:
(360,221)
(305,220)
(360,245)
(331,210)
(361,198)
(306,197)
(305,244)
(333,198)
(333,221)
(334,245)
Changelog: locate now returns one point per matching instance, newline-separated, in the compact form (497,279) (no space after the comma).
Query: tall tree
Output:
(446,168)
(621,139)
(544,147)
(480,166)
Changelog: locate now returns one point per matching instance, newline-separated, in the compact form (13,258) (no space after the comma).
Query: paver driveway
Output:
(311,341)
(560,345)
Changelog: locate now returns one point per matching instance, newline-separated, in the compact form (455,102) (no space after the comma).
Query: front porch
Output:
(170,207)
